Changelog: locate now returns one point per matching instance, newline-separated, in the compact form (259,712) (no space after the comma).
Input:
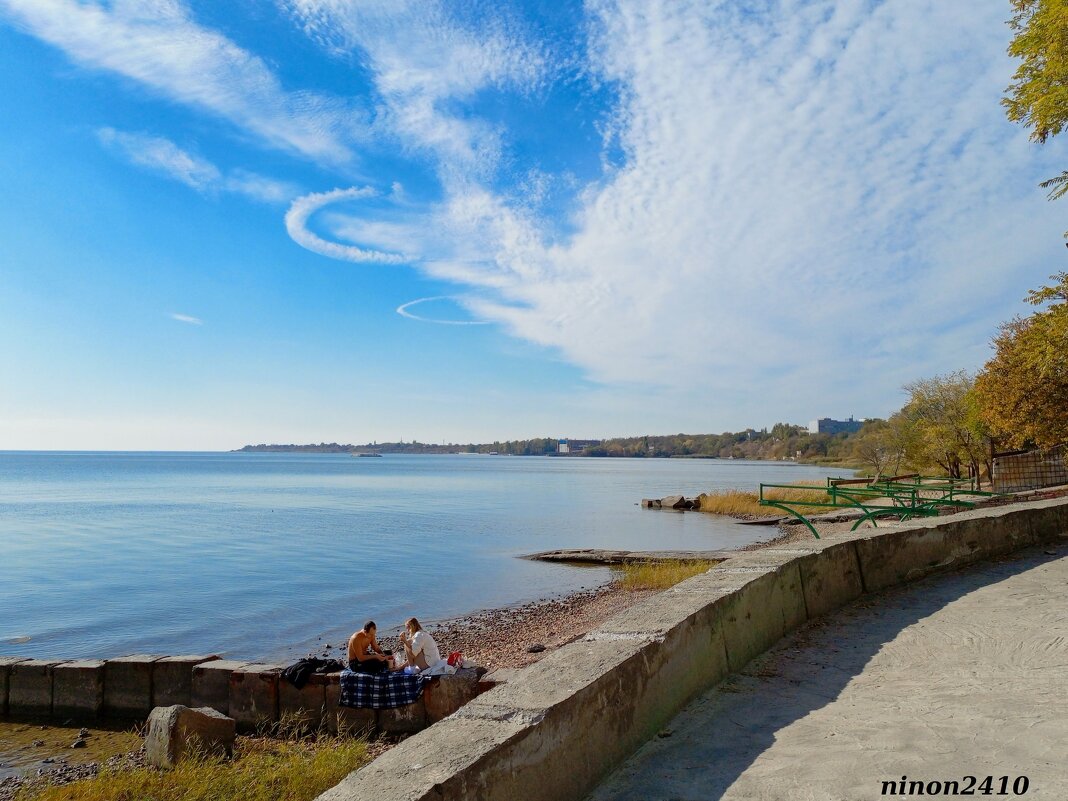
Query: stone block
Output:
(78,689)
(175,730)
(172,679)
(445,694)
(344,719)
(305,707)
(211,684)
(254,695)
(128,685)
(407,719)
(5,673)
(673,502)
(30,687)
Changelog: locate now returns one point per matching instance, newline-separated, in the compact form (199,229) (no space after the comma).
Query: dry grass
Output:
(742,503)
(659,575)
(263,769)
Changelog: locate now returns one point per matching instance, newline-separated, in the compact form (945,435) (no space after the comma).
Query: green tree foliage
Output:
(941,426)
(1023,390)
(1038,96)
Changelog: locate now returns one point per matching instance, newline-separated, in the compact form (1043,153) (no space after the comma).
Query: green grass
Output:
(659,575)
(263,769)
(742,503)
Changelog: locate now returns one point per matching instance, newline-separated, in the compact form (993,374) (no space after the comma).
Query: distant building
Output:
(826,425)
(576,445)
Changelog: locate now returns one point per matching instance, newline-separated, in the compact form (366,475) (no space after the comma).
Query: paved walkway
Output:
(957,675)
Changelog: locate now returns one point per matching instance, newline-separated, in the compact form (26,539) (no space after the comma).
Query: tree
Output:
(1023,390)
(942,425)
(1038,96)
(878,446)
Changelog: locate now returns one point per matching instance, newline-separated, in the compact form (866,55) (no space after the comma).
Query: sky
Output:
(359,220)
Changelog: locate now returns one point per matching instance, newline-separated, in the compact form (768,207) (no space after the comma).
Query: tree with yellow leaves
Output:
(1023,390)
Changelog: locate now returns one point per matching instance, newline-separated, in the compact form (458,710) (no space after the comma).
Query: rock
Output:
(79,743)
(83,733)
(536,648)
(173,730)
(673,502)
(37,743)
(650,503)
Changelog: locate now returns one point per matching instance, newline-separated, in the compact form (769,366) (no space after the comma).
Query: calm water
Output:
(259,555)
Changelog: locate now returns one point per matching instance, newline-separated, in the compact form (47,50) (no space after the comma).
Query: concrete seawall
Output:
(562,724)
(254,694)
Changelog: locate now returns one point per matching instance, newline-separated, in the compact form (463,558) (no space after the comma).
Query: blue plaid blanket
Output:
(380,690)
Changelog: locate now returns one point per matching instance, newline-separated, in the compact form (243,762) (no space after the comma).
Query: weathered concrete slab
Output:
(5,672)
(128,685)
(495,677)
(443,762)
(175,730)
(830,574)
(577,701)
(445,694)
(254,695)
(306,706)
(759,613)
(685,624)
(343,719)
(1049,519)
(172,679)
(78,689)
(402,719)
(211,684)
(30,687)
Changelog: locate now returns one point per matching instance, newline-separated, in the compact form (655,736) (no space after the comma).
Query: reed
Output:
(743,503)
(263,769)
(659,575)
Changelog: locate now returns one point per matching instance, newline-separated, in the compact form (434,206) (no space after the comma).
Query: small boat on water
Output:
(366,454)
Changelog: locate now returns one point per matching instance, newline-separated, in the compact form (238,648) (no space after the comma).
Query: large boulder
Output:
(174,730)
(673,502)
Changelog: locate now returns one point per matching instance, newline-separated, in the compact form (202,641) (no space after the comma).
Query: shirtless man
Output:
(364,654)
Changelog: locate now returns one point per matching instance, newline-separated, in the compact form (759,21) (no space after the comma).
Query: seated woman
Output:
(420,650)
(364,654)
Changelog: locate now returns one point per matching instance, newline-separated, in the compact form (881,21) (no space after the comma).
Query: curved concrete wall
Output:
(559,726)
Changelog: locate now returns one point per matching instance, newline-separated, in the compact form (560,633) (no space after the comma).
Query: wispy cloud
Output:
(161,155)
(304,207)
(422,55)
(185,318)
(158,45)
(814,198)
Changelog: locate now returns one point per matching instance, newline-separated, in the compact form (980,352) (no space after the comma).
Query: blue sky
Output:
(311,220)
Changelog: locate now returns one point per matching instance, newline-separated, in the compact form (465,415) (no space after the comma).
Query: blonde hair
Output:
(413,624)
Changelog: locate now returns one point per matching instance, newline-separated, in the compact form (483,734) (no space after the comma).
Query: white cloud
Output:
(404,310)
(185,318)
(422,55)
(817,198)
(304,207)
(157,44)
(163,156)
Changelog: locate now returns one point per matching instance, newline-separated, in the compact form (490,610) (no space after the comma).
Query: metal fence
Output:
(1031,470)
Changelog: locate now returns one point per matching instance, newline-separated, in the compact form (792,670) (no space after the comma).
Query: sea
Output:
(269,555)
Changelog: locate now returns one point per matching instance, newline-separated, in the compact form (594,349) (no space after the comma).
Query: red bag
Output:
(455,659)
